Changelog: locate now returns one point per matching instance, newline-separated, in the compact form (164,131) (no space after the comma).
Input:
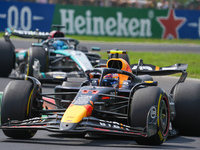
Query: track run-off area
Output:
(50,141)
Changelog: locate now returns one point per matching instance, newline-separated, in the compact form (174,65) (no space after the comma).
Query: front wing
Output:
(88,124)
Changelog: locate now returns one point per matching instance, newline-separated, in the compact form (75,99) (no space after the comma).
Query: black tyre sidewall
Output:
(40,54)
(143,99)
(7,58)
(187,101)
(16,106)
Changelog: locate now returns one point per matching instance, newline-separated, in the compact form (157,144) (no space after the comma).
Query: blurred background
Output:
(156,4)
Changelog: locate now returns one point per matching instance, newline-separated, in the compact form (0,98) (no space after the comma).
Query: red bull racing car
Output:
(117,99)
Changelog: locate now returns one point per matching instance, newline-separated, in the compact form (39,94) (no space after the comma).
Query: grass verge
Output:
(128,39)
(135,40)
(166,59)
(158,58)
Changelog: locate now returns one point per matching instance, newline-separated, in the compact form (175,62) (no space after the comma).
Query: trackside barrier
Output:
(101,21)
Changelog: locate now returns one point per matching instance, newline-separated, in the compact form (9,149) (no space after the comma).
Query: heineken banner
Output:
(127,22)
(102,21)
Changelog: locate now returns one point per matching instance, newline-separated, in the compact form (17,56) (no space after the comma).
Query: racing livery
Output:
(55,57)
(112,101)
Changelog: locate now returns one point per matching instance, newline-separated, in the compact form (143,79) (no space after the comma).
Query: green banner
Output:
(103,21)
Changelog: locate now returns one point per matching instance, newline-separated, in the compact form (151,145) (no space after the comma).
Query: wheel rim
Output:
(164,118)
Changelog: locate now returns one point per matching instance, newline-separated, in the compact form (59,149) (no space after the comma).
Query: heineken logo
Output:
(118,25)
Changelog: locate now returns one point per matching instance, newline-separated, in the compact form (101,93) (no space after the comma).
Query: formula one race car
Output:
(55,57)
(112,101)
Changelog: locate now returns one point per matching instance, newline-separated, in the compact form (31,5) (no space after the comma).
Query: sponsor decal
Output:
(82,100)
(171,25)
(113,124)
(117,25)
(143,68)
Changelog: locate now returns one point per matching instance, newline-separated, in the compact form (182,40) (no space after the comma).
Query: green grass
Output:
(166,59)
(135,40)
(128,39)
(158,59)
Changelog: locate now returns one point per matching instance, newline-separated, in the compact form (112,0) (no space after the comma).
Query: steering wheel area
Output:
(109,77)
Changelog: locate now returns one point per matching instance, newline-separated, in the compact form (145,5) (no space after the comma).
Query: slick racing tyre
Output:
(16,105)
(123,56)
(187,101)
(37,53)
(7,58)
(155,99)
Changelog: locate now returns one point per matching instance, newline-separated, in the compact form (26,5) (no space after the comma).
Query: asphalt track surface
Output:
(50,141)
(147,47)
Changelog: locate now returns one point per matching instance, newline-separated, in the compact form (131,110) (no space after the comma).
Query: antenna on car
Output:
(140,63)
(37,33)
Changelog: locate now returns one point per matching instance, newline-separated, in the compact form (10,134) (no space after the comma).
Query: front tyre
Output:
(142,101)
(16,105)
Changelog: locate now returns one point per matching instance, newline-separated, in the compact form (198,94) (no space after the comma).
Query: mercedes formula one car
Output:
(55,57)
(114,100)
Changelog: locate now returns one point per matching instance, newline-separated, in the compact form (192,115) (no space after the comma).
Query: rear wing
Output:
(26,34)
(141,69)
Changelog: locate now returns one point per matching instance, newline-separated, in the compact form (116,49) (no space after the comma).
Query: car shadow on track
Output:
(177,142)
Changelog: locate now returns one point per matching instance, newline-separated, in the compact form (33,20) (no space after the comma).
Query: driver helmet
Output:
(111,80)
(59,45)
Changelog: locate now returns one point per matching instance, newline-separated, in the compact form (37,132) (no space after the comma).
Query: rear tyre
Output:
(187,101)
(16,105)
(40,54)
(143,99)
(7,58)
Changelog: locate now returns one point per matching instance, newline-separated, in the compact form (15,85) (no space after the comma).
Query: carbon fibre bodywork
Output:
(133,105)
(96,108)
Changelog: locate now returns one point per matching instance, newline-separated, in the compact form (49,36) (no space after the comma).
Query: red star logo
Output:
(170,24)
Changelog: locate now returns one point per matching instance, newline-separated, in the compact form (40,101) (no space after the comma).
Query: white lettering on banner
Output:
(97,25)
(121,25)
(145,29)
(67,21)
(13,11)
(80,22)
(88,23)
(110,25)
(133,27)
(25,12)
(13,17)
